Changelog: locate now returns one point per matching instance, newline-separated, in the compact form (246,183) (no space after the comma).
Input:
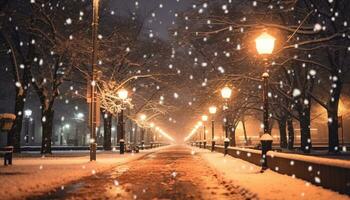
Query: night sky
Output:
(160,17)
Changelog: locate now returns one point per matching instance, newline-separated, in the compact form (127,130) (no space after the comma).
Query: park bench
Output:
(7,152)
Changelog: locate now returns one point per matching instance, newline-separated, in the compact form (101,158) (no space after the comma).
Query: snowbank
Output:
(267,185)
(312,159)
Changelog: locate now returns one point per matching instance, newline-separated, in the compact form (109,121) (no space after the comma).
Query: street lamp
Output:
(199,124)
(123,95)
(265,44)
(226,93)
(152,137)
(143,118)
(27,123)
(212,111)
(93,108)
(204,119)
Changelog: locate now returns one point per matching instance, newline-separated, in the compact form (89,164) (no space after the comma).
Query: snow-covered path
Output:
(173,172)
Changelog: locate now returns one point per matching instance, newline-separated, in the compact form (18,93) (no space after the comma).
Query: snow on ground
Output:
(267,185)
(30,175)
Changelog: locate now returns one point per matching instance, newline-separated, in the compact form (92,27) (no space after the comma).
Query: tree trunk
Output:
(47,126)
(290,133)
(305,133)
(244,131)
(14,135)
(107,130)
(332,112)
(283,133)
(120,127)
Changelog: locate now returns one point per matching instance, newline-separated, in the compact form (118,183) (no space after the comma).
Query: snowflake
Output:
(69,21)
(296,92)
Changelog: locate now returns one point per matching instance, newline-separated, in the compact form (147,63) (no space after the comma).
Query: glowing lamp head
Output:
(212,110)
(123,94)
(200,123)
(265,43)
(143,117)
(204,118)
(151,124)
(226,92)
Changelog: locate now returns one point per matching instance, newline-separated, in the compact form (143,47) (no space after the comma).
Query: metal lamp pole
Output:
(264,46)
(122,134)
(204,120)
(226,93)
(204,137)
(265,77)
(200,139)
(93,143)
(212,111)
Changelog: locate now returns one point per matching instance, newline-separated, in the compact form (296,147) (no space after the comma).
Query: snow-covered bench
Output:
(7,152)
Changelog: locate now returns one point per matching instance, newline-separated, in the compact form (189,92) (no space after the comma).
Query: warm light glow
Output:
(200,123)
(212,109)
(143,117)
(265,43)
(163,133)
(151,124)
(226,92)
(204,118)
(123,94)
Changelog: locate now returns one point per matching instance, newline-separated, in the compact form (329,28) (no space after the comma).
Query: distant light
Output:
(80,116)
(143,117)
(226,92)
(123,94)
(204,118)
(212,109)
(28,113)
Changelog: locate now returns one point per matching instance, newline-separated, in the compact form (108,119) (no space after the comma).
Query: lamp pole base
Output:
(226,143)
(93,147)
(212,146)
(121,147)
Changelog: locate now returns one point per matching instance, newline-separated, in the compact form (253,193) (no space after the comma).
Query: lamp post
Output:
(79,117)
(199,124)
(27,117)
(151,125)
(123,95)
(204,119)
(226,93)
(93,110)
(212,111)
(264,45)
(143,118)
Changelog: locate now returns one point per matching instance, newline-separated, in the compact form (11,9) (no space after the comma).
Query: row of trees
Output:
(48,46)
(309,66)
